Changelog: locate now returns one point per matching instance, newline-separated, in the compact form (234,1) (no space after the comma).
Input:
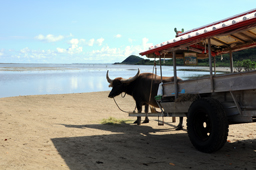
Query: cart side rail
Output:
(221,83)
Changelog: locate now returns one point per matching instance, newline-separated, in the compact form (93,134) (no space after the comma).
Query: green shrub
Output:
(246,65)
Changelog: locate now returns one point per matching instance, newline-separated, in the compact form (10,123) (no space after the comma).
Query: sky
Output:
(100,31)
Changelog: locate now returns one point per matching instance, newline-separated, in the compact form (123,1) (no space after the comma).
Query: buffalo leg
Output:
(138,121)
(179,127)
(146,111)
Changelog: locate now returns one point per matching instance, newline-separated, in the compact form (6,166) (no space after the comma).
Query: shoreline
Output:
(198,68)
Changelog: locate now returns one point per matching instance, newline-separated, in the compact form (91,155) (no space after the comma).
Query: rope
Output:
(164,52)
(121,109)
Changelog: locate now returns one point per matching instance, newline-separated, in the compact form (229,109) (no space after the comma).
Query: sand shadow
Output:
(143,147)
(122,128)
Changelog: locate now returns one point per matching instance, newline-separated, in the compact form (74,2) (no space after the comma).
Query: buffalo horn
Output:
(132,78)
(109,80)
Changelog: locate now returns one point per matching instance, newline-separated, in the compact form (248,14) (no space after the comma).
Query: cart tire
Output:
(207,125)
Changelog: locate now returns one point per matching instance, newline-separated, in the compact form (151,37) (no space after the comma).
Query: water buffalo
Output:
(139,87)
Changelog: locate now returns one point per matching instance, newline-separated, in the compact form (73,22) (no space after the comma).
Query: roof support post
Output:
(175,79)
(210,62)
(175,74)
(231,61)
(160,68)
(214,65)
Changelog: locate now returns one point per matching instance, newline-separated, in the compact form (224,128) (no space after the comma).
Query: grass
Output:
(114,121)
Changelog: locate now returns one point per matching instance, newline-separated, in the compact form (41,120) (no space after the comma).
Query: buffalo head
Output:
(119,84)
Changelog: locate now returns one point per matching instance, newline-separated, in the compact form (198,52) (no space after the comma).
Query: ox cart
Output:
(217,100)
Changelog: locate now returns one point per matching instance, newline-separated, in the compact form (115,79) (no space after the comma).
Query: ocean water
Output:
(39,79)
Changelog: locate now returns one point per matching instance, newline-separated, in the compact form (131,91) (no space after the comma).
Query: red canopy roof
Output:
(231,34)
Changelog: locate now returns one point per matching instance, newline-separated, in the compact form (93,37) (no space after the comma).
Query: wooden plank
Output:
(252,33)
(222,42)
(247,36)
(176,107)
(222,83)
(237,38)
(188,87)
(234,82)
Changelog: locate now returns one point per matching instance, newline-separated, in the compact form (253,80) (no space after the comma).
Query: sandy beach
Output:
(65,132)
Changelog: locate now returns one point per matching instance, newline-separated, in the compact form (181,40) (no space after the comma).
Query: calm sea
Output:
(37,79)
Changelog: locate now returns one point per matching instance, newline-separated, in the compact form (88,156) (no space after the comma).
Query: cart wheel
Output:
(207,125)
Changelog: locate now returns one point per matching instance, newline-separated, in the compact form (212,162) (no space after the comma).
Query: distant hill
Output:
(132,59)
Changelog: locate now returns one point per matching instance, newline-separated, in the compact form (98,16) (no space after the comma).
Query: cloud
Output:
(145,44)
(118,36)
(91,41)
(117,54)
(100,41)
(49,38)
(61,50)
(107,51)
(83,42)
(74,41)
(29,55)
(74,48)
(74,52)
(25,50)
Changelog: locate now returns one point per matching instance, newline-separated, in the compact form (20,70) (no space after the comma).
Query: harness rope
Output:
(120,108)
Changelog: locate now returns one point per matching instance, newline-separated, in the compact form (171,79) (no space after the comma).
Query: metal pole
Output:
(175,74)
(215,65)
(175,80)
(210,62)
(160,68)
(231,61)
